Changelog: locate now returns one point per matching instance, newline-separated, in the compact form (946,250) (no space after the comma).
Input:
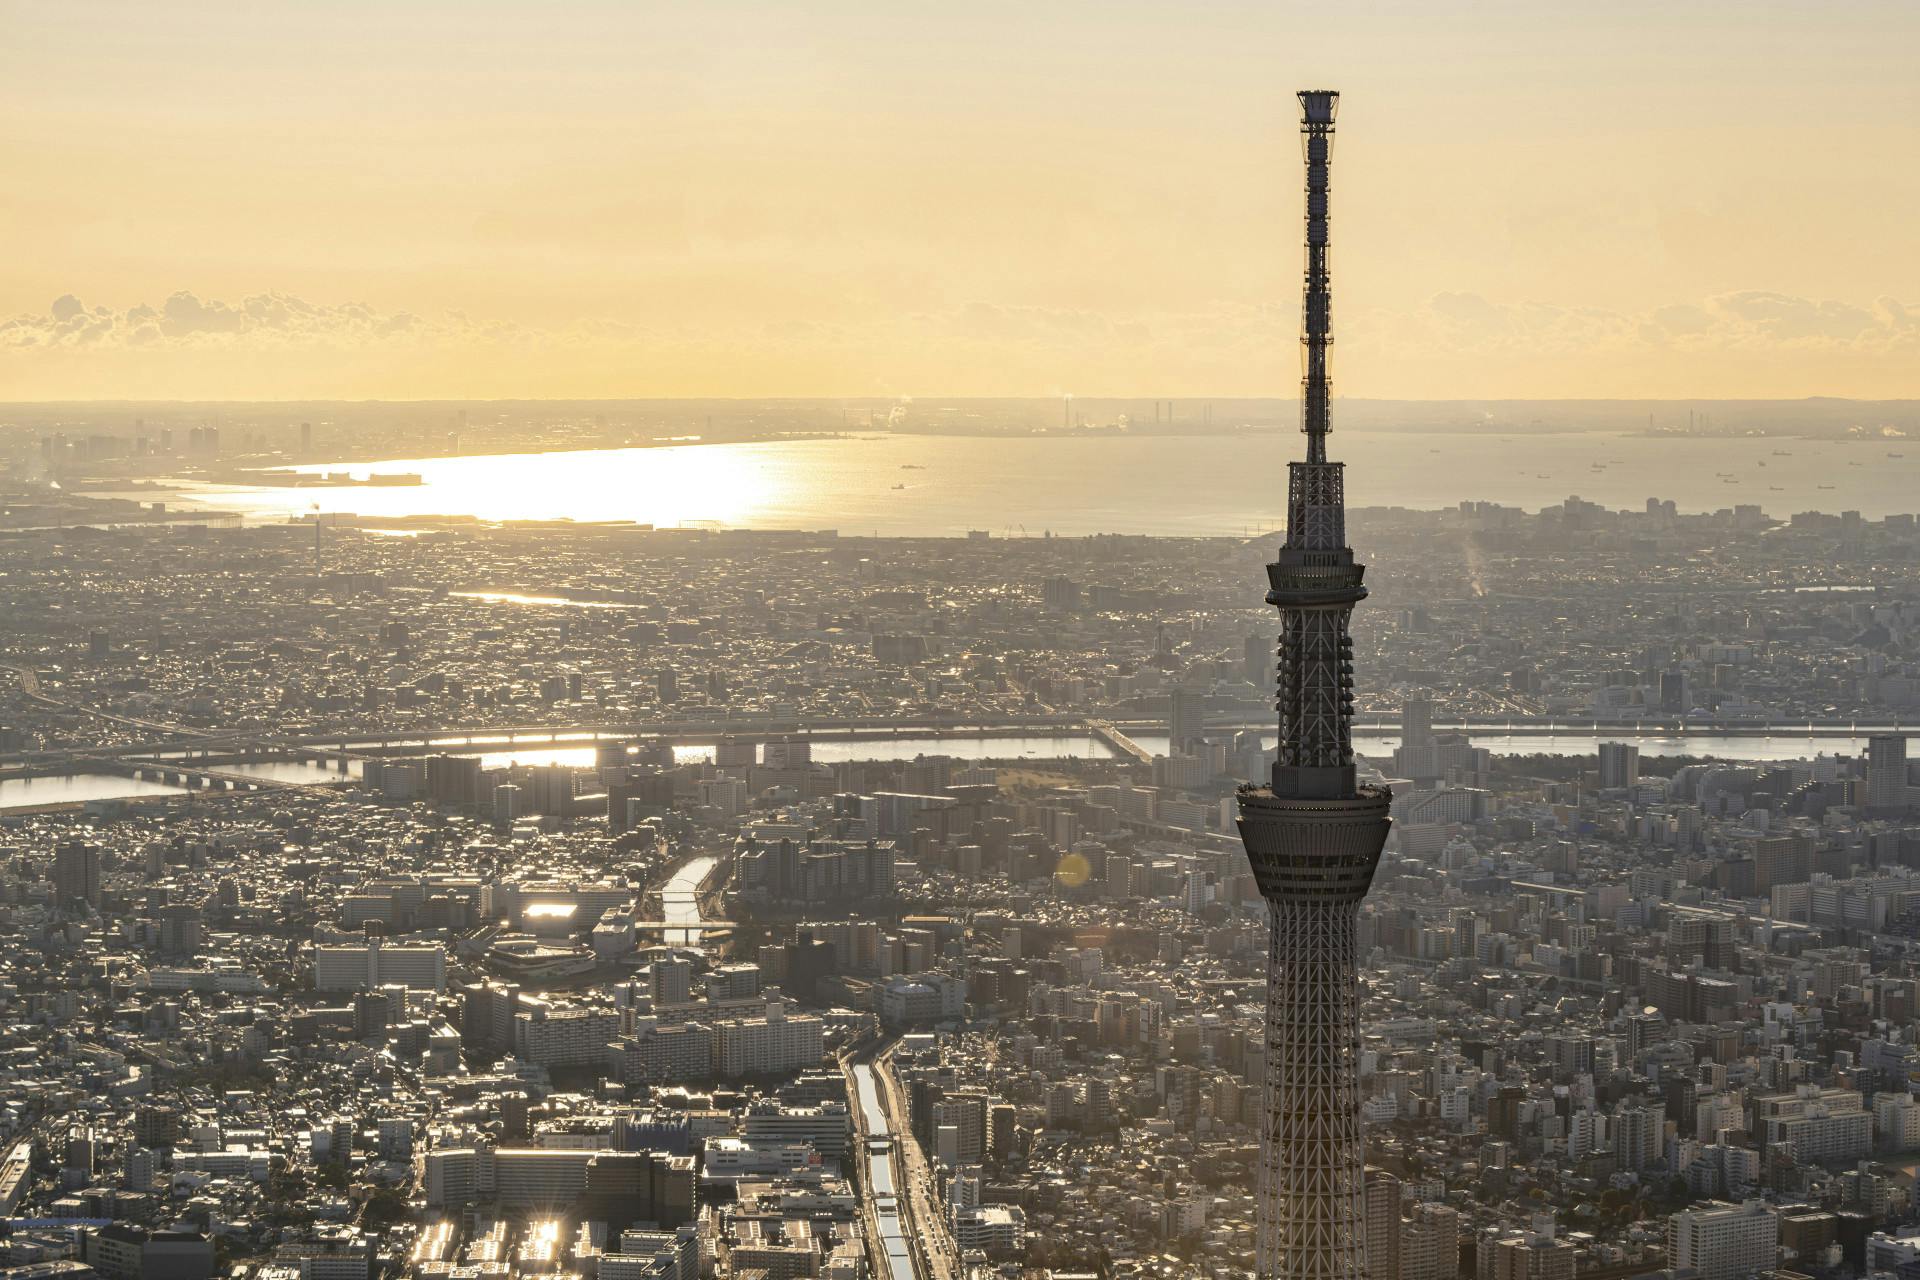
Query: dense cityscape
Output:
(498,900)
(713,642)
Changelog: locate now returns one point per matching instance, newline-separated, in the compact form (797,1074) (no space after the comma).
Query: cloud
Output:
(1683,318)
(1472,312)
(1448,343)
(1746,321)
(263,320)
(1779,317)
(991,322)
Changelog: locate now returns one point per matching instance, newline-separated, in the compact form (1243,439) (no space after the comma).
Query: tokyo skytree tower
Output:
(1313,837)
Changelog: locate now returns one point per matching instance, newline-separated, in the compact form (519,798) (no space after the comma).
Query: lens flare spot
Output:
(1073,871)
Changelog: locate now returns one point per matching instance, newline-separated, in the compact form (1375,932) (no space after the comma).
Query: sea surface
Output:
(1216,485)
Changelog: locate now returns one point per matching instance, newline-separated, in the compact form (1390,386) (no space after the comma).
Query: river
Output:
(30,793)
(906,485)
(1378,745)
(22,793)
(680,900)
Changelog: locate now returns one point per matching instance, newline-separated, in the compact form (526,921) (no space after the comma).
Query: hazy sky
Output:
(415,199)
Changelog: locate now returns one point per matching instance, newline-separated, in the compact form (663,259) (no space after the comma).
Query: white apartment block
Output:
(658,1052)
(514,1177)
(377,964)
(565,1037)
(1724,1241)
(776,1042)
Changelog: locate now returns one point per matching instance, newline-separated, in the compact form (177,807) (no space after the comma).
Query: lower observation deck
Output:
(1314,849)
(1315,580)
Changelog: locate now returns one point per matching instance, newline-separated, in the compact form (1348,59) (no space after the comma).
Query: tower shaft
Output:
(1313,836)
(1313,860)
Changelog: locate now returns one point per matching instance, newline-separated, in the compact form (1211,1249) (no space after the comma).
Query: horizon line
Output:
(911,398)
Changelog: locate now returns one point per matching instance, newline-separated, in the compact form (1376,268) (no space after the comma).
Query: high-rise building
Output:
(1896,1121)
(1639,1137)
(1619,765)
(1522,1257)
(1313,835)
(1003,1130)
(1060,594)
(453,779)
(76,873)
(1784,859)
(1886,774)
(736,753)
(156,1126)
(1186,721)
(1673,692)
(672,980)
(966,1114)
(1586,1133)
(1429,1243)
(1257,653)
(1382,1241)
(1416,722)
(793,751)
(1466,932)
(182,930)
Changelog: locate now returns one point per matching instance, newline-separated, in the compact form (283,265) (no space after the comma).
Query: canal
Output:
(680,900)
(886,1202)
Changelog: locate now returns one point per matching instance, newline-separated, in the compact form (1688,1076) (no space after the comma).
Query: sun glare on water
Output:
(662,487)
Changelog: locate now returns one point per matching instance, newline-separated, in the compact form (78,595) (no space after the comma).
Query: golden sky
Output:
(1532,198)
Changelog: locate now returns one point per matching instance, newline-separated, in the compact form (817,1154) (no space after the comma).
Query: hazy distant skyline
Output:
(576,200)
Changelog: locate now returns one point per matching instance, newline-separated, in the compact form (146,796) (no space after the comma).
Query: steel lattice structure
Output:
(1313,837)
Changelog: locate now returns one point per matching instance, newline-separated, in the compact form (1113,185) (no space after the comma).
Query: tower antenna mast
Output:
(1318,109)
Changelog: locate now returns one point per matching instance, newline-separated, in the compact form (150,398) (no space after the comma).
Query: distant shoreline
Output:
(252,473)
(248,474)
(993,476)
(986,433)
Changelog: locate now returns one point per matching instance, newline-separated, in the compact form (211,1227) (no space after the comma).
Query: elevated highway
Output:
(211,778)
(1565,727)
